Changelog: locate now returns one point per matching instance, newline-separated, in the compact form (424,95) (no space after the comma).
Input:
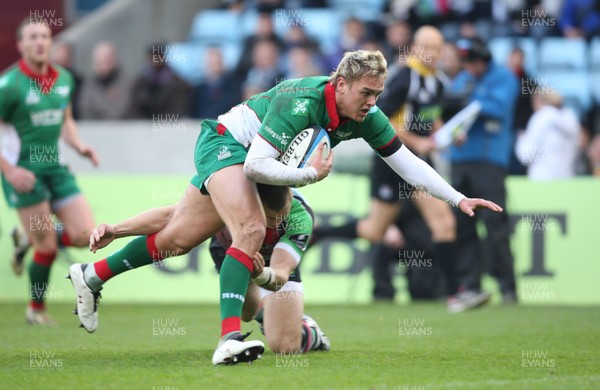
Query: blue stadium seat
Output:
(249,22)
(562,54)
(320,23)
(573,86)
(190,58)
(595,82)
(501,47)
(215,25)
(366,10)
(595,54)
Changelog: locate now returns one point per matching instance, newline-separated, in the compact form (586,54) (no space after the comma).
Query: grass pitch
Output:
(379,346)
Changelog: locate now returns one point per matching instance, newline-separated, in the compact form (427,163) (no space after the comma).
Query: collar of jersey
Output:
(48,78)
(412,62)
(330,106)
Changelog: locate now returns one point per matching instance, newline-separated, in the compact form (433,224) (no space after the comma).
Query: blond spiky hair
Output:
(359,63)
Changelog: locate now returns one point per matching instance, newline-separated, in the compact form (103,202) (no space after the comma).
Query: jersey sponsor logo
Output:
(301,240)
(48,117)
(283,138)
(223,153)
(373,110)
(32,98)
(3,81)
(300,107)
(342,134)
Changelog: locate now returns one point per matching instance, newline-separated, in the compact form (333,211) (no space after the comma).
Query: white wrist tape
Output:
(265,278)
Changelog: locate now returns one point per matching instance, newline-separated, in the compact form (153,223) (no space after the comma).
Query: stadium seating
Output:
(570,66)
(562,54)
(573,86)
(191,63)
(366,10)
(595,82)
(216,25)
(501,47)
(320,23)
(594,58)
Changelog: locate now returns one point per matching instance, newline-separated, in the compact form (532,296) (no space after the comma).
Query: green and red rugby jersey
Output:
(282,112)
(34,105)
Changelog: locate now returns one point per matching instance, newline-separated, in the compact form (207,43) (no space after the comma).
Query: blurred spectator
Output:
(467,30)
(63,56)
(218,91)
(301,63)
(296,36)
(106,94)
(293,4)
(539,18)
(593,154)
(249,90)
(523,108)
(580,18)
(371,43)
(158,90)
(265,71)
(264,31)
(450,62)
(352,36)
(479,166)
(236,6)
(550,144)
(397,34)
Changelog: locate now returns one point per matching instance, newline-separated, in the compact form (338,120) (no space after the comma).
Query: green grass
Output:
(476,350)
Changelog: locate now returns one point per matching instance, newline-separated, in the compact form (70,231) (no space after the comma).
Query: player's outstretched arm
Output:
(71,137)
(274,277)
(420,175)
(145,223)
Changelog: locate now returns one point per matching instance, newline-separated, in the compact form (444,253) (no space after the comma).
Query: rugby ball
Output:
(303,147)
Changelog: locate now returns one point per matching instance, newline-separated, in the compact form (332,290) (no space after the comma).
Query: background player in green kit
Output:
(242,147)
(35,109)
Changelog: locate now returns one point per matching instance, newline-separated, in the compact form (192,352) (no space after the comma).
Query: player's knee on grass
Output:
(290,341)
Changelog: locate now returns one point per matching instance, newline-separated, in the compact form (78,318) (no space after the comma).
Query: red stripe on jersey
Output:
(103,270)
(330,106)
(230,324)
(44,81)
(241,257)
(45,259)
(388,144)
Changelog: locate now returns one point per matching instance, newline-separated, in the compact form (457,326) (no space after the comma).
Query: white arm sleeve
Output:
(420,175)
(262,166)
